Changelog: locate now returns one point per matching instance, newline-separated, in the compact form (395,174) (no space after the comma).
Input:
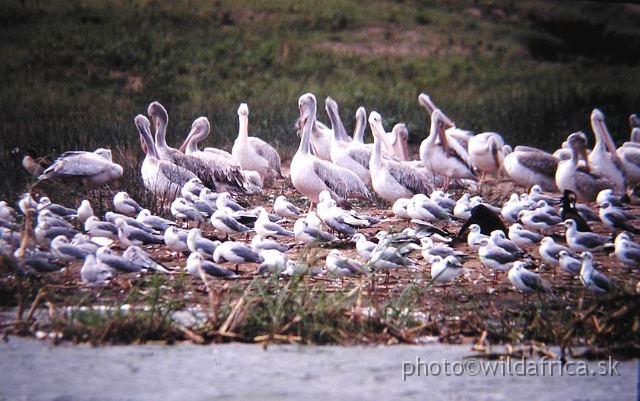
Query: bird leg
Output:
(447,181)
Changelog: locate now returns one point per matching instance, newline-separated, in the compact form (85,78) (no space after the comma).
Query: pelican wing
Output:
(341,181)
(590,184)
(631,156)
(359,153)
(209,173)
(410,178)
(267,151)
(175,173)
(457,150)
(539,162)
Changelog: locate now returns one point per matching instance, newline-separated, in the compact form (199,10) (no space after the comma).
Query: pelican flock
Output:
(416,199)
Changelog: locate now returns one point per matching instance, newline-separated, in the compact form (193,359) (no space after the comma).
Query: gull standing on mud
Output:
(97,228)
(235,252)
(65,252)
(495,258)
(123,203)
(225,223)
(197,243)
(259,244)
(569,263)
(274,262)
(94,273)
(584,241)
(523,237)
(549,251)
(475,237)
(209,268)
(176,239)
(525,280)
(431,250)
(264,227)
(129,235)
(592,279)
(343,266)
(106,256)
(445,270)
(84,211)
(309,234)
(156,222)
(139,257)
(283,208)
(627,252)
(617,218)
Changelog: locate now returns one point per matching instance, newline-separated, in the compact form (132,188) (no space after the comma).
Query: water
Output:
(38,370)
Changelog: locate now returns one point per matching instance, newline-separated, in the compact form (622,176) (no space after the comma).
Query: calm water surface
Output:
(38,370)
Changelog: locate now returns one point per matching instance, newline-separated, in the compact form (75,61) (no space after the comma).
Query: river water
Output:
(38,370)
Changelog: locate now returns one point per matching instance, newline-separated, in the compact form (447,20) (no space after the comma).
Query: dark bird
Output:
(569,211)
(486,218)
(34,164)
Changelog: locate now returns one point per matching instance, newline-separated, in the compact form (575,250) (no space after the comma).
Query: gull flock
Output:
(575,189)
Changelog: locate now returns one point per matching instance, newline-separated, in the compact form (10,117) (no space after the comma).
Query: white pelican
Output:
(603,159)
(486,152)
(629,156)
(453,132)
(224,167)
(161,177)
(361,125)
(320,136)
(311,175)
(390,179)
(447,158)
(577,178)
(528,166)
(95,167)
(252,152)
(398,138)
(209,177)
(350,155)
